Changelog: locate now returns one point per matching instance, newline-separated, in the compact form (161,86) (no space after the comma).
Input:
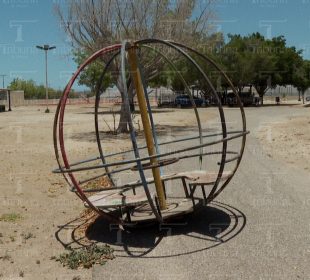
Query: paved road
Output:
(258,229)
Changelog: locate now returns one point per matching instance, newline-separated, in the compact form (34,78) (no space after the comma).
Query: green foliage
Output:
(10,217)
(86,257)
(287,60)
(302,76)
(263,63)
(249,60)
(34,91)
(90,76)
(208,45)
(159,80)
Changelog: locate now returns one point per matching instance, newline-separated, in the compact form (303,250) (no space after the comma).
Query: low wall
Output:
(77,101)
(17,98)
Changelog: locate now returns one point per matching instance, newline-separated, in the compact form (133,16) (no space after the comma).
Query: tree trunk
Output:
(299,96)
(124,118)
(261,90)
(261,96)
(303,97)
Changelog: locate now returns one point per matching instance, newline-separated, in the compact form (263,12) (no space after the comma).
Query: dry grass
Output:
(10,217)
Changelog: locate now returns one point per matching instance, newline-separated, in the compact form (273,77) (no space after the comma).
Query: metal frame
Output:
(68,170)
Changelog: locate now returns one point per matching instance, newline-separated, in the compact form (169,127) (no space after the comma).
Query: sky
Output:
(27,23)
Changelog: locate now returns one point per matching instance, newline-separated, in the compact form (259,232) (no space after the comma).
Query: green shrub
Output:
(86,257)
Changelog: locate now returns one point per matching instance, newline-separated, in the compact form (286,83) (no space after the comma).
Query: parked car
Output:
(166,101)
(247,99)
(184,100)
(308,98)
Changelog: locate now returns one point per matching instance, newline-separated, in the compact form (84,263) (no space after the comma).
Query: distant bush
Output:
(34,91)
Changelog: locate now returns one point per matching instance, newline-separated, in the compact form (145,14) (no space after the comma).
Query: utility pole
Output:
(8,91)
(46,48)
(3,75)
(9,96)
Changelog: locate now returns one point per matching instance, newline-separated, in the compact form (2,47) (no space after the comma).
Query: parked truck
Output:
(247,96)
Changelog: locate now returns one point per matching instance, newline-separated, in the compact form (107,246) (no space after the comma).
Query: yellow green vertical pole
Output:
(132,57)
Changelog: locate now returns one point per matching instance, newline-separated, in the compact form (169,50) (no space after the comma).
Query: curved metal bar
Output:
(214,193)
(171,64)
(130,167)
(149,157)
(132,133)
(56,150)
(154,134)
(97,101)
(177,141)
(231,159)
(122,48)
(85,161)
(160,144)
(62,104)
(221,112)
(104,174)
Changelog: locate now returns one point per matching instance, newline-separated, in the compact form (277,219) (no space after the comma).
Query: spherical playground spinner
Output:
(172,167)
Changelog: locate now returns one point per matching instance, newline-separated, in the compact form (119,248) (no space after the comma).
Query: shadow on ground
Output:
(280,105)
(117,112)
(212,226)
(161,130)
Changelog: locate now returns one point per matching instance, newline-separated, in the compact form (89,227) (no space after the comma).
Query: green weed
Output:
(86,257)
(10,217)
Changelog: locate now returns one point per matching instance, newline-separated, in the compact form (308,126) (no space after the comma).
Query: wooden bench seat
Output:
(198,177)
(119,197)
(203,177)
(116,198)
(206,178)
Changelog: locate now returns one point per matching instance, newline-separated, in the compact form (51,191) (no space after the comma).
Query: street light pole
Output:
(46,48)
(46,84)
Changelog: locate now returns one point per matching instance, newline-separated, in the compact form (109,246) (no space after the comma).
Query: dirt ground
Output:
(289,140)
(37,202)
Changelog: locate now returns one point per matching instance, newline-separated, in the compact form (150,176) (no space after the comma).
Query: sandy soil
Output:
(40,204)
(288,140)
(38,200)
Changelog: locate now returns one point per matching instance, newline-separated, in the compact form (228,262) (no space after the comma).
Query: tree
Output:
(235,60)
(94,24)
(250,62)
(263,63)
(288,60)
(90,76)
(301,78)
(34,91)
(29,87)
(209,45)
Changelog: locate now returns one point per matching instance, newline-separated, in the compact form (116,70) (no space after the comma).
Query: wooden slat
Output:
(116,198)
(205,178)
(107,199)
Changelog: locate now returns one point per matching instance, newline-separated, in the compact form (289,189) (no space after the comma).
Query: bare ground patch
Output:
(289,141)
